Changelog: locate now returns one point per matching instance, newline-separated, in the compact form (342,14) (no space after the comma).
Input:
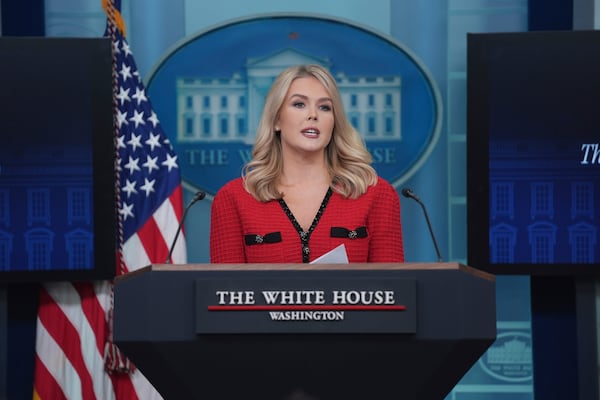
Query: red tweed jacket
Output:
(244,230)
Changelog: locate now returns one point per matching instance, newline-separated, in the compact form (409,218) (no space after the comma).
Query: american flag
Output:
(75,358)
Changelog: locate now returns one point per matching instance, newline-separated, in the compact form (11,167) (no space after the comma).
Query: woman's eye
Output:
(326,107)
(298,104)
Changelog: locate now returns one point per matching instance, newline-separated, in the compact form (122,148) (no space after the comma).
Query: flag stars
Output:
(126,211)
(154,119)
(145,155)
(140,96)
(126,49)
(170,162)
(123,95)
(135,141)
(132,165)
(151,164)
(148,186)
(115,46)
(121,118)
(125,72)
(138,118)
(153,141)
(129,188)
(121,142)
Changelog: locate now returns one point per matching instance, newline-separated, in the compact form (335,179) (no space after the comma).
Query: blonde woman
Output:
(309,186)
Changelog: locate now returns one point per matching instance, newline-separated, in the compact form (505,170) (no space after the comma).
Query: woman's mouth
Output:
(311,132)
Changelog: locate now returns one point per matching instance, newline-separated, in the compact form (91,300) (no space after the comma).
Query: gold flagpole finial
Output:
(114,15)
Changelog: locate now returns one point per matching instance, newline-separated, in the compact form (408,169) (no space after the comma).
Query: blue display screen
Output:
(533,152)
(56,159)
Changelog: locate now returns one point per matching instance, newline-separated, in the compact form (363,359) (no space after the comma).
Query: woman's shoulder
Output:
(233,187)
(383,185)
(380,191)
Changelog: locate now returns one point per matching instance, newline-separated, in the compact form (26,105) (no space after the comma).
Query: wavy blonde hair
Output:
(348,160)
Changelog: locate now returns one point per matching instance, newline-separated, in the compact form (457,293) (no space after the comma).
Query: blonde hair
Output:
(347,157)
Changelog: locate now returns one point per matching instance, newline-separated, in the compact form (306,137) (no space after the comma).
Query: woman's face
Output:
(306,118)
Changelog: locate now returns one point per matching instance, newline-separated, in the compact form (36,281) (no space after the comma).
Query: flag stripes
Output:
(75,356)
(156,235)
(47,385)
(67,344)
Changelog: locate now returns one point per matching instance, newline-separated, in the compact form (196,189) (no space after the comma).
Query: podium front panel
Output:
(160,323)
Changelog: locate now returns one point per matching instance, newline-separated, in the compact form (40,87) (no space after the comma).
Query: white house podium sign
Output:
(284,331)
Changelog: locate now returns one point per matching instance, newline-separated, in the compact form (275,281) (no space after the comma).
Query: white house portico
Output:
(228,109)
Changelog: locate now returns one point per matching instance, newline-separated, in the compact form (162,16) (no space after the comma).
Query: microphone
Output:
(406,192)
(197,197)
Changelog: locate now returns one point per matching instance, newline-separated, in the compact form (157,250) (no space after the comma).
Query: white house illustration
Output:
(228,109)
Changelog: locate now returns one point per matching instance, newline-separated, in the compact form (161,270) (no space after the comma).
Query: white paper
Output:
(335,256)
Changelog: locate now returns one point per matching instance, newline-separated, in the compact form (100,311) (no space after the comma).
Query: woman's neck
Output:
(298,173)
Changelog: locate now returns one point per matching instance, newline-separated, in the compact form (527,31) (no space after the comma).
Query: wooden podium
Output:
(296,331)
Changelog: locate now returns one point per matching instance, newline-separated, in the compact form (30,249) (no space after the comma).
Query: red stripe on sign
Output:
(310,308)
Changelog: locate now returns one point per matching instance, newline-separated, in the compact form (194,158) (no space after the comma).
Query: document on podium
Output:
(335,256)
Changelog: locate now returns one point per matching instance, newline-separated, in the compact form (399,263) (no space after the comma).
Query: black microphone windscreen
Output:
(406,192)
(199,195)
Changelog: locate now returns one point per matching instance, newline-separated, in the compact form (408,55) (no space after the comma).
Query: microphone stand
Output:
(409,193)
(197,197)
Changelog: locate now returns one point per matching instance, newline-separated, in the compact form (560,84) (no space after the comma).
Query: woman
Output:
(309,186)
